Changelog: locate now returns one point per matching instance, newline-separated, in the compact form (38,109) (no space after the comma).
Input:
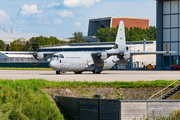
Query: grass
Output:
(25,99)
(175,115)
(13,68)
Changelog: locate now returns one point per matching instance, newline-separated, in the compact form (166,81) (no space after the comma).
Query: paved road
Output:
(88,76)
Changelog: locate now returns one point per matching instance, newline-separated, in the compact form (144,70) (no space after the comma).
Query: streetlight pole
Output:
(144,43)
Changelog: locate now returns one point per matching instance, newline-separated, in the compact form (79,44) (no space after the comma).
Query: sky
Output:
(61,18)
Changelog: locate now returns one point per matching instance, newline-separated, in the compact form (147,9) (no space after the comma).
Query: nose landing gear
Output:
(58,72)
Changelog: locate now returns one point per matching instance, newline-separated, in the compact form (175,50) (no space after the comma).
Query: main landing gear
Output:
(75,72)
(94,72)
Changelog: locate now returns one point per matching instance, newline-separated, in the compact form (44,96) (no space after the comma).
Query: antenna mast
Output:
(11,29)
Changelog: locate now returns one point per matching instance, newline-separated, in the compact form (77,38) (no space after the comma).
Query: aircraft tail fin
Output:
(120,42)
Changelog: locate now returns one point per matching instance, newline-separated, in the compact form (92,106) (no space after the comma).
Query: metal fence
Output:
(104,109)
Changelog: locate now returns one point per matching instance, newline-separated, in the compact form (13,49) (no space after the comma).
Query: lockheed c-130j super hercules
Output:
(95,61)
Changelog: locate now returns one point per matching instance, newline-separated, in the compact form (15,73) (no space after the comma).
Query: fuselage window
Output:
(61,56)
(60,61)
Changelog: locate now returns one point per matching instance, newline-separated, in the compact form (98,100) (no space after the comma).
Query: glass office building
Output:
(168,33)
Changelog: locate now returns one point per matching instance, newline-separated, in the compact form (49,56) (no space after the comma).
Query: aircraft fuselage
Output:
(77,61)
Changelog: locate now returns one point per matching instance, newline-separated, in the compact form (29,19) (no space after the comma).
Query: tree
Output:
(40,41)
(77,38)
(16,45)
(113,33)
(2,45)
(28,46)
(104,34)
(152,31)
(132,34)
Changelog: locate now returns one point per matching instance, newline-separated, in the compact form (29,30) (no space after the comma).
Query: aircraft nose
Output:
(52,65)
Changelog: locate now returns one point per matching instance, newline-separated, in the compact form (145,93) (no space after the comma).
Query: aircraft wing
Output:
(150,52)
(16,52)
(19,52)
(37,55)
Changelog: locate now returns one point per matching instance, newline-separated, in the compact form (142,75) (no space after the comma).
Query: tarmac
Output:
(106,76)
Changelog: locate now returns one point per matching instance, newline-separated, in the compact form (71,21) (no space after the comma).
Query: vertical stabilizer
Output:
(120,43)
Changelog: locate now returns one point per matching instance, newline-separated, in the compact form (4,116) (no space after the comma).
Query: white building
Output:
(10,37)
(17,58)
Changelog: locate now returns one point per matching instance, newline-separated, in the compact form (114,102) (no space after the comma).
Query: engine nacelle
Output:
(126,55)
(119,61)
(38,55)
(103,55)
(122,58)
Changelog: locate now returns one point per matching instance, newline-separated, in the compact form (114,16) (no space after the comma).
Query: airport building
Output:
(168,32)
(17,58)
(9,37)
(96,24)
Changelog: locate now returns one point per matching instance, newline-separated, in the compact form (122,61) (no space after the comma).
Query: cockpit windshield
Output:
(55,56)
(61,56)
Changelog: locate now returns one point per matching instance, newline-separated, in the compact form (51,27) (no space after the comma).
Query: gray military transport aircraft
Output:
(95,61)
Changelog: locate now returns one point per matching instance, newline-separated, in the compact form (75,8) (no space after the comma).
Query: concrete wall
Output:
(131,110)
(98,109)
(138,109)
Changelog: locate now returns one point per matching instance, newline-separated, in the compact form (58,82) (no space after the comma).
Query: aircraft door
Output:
(82,64)
(61,63)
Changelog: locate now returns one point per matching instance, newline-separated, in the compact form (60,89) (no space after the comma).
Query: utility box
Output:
(149,67)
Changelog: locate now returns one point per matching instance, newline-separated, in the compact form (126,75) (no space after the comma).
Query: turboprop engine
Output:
(38,55)
(102,55)
(122,58)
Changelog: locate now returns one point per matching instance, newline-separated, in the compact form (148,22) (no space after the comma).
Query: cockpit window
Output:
(55,56)
(61,56)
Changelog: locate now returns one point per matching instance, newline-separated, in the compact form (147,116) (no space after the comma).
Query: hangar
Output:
(168,33)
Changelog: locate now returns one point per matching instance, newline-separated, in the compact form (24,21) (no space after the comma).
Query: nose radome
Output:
(51,65)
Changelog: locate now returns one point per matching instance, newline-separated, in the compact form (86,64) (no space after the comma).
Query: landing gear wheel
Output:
(96,72)
(57,72)
(77,72)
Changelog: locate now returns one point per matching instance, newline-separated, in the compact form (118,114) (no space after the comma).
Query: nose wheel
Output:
(58,72)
